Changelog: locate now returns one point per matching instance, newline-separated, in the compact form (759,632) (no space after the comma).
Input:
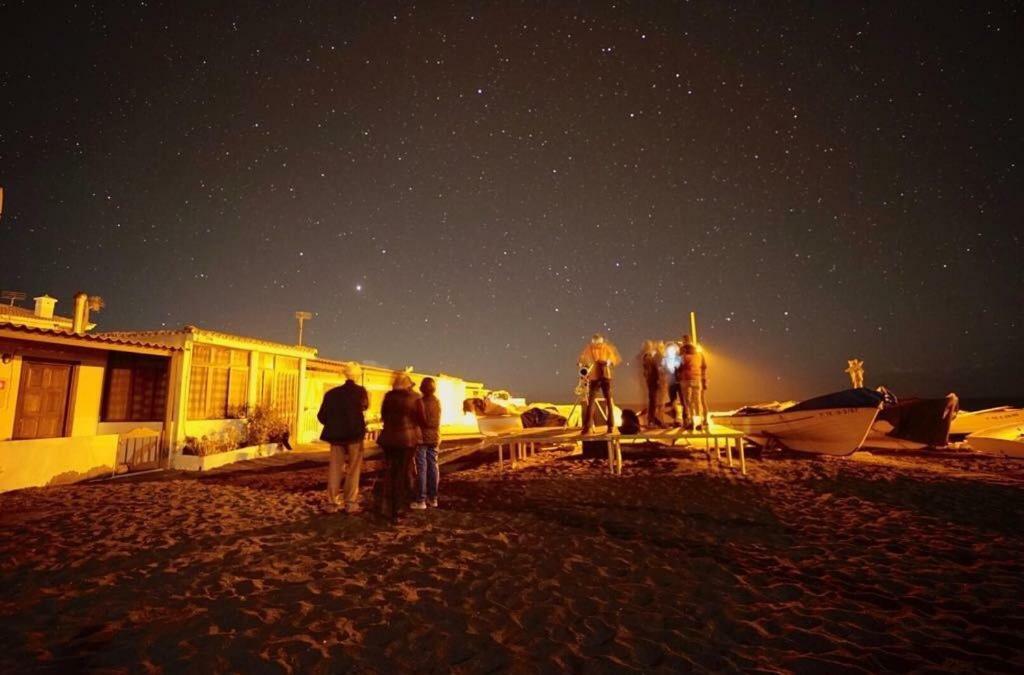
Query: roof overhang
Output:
(86,341)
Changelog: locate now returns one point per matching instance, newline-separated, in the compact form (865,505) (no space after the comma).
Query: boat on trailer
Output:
(834,424)
(1007,441)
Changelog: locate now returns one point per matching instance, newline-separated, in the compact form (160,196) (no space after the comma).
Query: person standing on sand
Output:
(693,380)
(650,364)
(400,413)
(426,451)
(341,413)
(670,368)
(599,356)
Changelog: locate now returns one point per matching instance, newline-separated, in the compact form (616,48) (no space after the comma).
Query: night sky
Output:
(476,188)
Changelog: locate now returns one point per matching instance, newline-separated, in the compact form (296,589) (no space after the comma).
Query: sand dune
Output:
(855,565)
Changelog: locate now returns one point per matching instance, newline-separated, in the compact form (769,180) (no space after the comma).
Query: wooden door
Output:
(42,399)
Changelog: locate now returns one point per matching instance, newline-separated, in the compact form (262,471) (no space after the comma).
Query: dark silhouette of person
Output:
(650,364)
(341,413)
(400,414)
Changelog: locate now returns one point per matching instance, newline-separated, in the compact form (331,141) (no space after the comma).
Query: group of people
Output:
(409,438)
(676,369)
(411,421)
(680,370)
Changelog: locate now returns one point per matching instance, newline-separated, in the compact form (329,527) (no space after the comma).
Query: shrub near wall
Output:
(265,433)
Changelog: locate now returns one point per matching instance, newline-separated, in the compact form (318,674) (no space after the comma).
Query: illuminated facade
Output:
(325,374)
(69,404)
(81,405)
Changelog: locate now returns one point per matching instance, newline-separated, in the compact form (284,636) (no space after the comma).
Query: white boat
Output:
(835,424)
(493,425)
(971,422)
(1006,440)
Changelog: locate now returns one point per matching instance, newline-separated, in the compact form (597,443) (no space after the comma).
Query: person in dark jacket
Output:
(400,413)
(426,451)
(650,363)
(341,413)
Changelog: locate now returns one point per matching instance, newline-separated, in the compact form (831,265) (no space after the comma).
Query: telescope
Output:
(581,384)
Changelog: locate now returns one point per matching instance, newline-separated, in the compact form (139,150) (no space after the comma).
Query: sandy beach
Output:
(862,564)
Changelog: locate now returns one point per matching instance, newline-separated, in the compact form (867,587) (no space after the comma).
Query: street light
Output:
(302,318)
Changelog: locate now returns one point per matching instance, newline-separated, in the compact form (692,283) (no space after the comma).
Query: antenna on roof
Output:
(10,296)
(303,317)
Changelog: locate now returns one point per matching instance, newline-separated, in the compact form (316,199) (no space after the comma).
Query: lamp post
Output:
(302,318)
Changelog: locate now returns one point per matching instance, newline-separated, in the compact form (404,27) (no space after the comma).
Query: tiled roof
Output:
(195,330)
(334,364)
(14,310)
(85,337)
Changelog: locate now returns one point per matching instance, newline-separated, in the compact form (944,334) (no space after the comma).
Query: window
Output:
(219,382)
(135,389)
(277,385)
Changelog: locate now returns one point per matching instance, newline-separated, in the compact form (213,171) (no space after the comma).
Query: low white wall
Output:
(207,462)
(55,461)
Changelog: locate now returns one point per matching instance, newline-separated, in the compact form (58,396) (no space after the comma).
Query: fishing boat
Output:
(491,417)
(912,424)
(834,424)
(494,425)
(1007,440)
(967,422)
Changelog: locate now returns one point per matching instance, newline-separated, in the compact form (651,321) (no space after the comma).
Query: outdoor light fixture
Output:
(6,358)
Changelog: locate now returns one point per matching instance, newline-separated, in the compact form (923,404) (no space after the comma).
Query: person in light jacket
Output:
(426,451)
(598,357)
(341,413)
(400,413)
(693,382)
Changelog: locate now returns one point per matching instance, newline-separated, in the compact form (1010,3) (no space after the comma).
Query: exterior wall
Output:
(86,392)
(10,377)
(87,396)
(198,428)
(54,461)
(124,427)
(182,427)
(451,391)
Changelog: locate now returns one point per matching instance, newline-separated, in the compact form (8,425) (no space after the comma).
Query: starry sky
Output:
(476,188)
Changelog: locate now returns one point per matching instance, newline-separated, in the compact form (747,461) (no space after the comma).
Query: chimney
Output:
(81,318)
(44,306)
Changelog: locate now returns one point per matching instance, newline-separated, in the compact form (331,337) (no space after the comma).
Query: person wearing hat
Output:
(599,356)
(400,414)
(341,413)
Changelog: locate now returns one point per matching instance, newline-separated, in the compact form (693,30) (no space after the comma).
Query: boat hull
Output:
(972,422)
(499,424)
(1007,441)
(831,431)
